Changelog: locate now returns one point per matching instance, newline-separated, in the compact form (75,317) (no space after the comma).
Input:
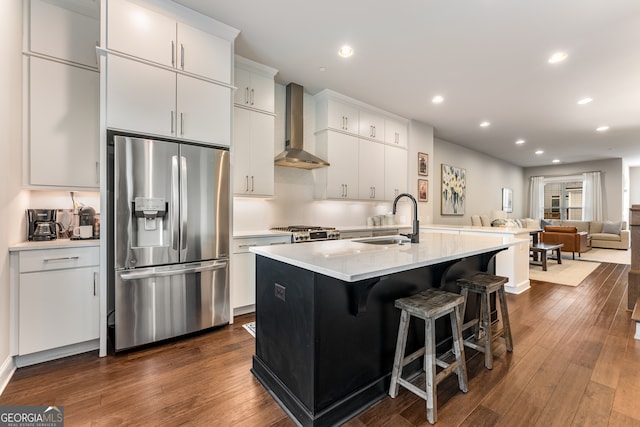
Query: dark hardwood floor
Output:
(575,363)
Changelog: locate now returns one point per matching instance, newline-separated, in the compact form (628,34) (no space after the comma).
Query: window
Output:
(563,199)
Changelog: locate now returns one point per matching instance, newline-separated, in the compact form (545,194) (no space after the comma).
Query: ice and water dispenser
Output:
(150,213)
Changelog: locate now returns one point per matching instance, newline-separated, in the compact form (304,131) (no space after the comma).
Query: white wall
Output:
(634,185)
(613,183)
(485,178)
(421,141)
(12,199)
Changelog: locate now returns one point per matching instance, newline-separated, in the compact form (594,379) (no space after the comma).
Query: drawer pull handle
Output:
(278,243)
(66,258)
(247,246)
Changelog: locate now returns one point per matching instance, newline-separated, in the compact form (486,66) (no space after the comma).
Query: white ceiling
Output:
(488,58)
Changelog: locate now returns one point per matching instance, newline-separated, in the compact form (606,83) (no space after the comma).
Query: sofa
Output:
(607,234)
(569,237)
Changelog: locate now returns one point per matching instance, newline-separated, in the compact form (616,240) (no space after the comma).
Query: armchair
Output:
(572,240)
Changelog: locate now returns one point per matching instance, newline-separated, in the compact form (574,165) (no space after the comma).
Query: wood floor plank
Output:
(575,362)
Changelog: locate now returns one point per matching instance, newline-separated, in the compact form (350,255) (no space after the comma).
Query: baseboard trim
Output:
(6,373)
(519,288)
(56,353)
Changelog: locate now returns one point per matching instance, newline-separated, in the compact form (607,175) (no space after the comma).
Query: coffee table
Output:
(542,249)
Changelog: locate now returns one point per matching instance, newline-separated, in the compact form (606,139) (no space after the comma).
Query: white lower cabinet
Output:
(57,299)
(243,270)
(58,308)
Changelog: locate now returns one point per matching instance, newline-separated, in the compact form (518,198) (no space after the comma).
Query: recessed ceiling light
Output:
(345,51)
(584,101)
(438,99)
(322,69)
(602,128)
(557,57)
(520,141)
(555,161)
(539,152)
(485,124)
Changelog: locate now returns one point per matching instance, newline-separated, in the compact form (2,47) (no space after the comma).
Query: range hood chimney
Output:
(294,154)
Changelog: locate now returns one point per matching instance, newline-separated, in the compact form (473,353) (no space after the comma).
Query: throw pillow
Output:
(544,223)
(611,227)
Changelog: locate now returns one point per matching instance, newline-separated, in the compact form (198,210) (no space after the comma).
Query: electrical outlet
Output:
(281,292)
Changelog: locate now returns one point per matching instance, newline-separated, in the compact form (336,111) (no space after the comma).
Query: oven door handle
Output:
(148,273)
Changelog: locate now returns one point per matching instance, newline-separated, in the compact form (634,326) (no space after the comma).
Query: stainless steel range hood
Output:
(294,155)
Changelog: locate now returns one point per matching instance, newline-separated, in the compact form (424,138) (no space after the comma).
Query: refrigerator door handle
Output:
(148,273)
(174,203)
(183,203)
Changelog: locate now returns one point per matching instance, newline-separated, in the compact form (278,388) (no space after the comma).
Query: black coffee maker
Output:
(41,224)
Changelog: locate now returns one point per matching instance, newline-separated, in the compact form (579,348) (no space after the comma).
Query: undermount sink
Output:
(395,240)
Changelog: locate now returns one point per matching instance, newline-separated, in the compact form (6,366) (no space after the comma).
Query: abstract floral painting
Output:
(454,183)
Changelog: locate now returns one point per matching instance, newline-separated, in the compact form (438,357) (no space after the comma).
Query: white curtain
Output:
(592,197)
(536,197)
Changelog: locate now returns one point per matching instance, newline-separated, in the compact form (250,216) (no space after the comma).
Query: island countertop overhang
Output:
(352,261)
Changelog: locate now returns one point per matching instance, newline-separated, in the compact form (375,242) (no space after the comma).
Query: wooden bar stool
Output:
(485,284)
(430,305)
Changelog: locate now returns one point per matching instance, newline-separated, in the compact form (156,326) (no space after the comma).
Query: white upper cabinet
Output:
(63,125)
(159,38)
(335,114)
(340,180)
(203,54)
(141,32)
(63,33)
(371,125)
(370,164)
(395,132)
(255,87)
(252,153)
(156,101)
(395,171)
(140,97)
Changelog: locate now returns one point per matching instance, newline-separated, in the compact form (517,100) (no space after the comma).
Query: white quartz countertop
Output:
(351,261)
(53,244)
(271,233)
(489,230)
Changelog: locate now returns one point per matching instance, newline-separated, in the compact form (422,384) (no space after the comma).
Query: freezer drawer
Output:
(157,303)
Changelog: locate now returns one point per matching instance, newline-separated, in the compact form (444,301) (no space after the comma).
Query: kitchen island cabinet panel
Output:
(324,359)
(63,112)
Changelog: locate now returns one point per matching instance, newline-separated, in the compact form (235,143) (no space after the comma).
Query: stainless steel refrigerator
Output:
(170,243)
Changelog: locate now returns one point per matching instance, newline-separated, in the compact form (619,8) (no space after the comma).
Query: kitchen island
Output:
(325,319)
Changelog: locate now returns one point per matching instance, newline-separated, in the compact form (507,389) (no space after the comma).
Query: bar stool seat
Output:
(486,284)
(430,305)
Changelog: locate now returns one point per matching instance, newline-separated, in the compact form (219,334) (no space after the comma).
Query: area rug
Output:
(615,256)
(569,273)
(251,328)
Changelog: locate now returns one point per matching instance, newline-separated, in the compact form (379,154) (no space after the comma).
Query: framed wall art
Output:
(423,164)
(423,190)
(453,190)
(507,200)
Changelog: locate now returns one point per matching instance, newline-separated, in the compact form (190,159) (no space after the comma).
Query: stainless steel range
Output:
(310,233)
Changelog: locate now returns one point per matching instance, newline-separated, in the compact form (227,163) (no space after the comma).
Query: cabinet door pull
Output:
(246,95)
(182,123)
(97,172)
(252,182)
(65,258)
(252,96)
(374,192)
(171,121)
(246,183)
(181,56)
(94,284)
(173,53)
(346,190)
(346,121)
